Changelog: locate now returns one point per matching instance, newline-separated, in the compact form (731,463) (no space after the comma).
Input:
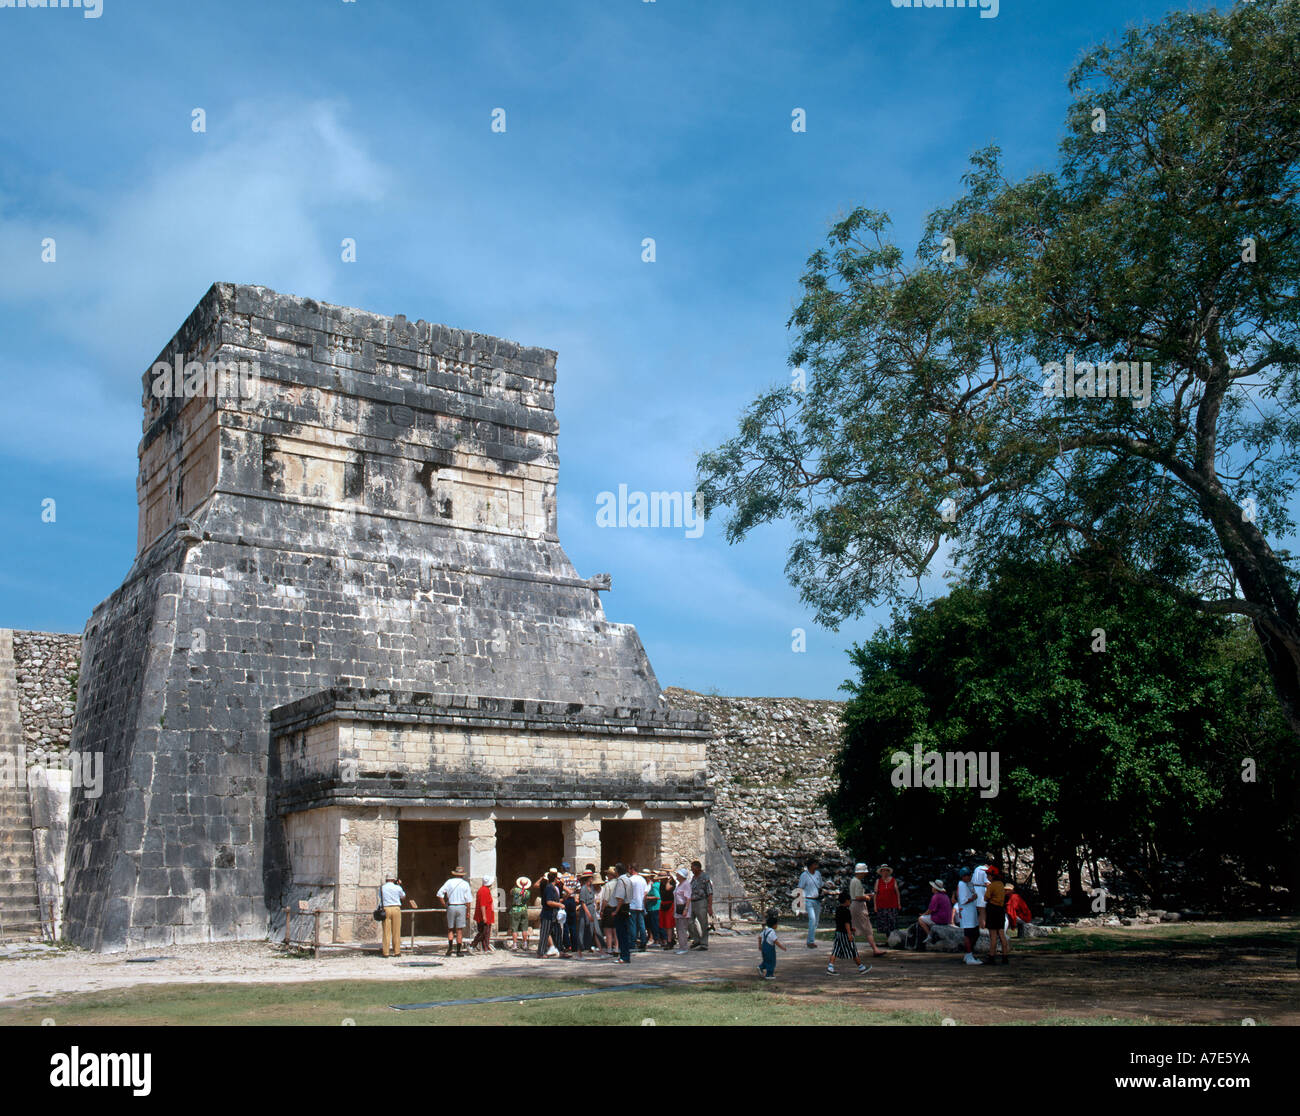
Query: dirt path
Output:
(1179,984)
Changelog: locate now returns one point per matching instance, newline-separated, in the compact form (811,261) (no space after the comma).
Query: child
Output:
(768,944)
(844,945)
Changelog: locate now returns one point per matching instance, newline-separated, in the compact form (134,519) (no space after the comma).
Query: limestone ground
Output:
(1202,973)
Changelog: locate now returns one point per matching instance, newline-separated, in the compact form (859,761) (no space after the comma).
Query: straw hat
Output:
(860,869)
(937,885)
(885,868)
(524,882)
(459,870)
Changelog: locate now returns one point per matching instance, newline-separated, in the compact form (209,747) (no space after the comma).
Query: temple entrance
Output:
(527,848)
(630,842)
(426,854)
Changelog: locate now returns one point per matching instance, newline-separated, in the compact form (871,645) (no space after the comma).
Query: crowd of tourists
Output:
(975,897)
(631,908)
(628,909)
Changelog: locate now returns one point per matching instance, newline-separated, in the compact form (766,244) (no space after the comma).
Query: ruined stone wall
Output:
(768,762)
(46,665)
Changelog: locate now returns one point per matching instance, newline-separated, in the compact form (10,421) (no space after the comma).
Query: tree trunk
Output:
(1078,897)
(1046,871)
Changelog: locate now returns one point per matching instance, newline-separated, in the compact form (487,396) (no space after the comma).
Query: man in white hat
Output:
(457,898)
(859,898)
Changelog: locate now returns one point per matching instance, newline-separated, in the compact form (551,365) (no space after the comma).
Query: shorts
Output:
(519,920)
(995,917)
(456,918)
(607,919)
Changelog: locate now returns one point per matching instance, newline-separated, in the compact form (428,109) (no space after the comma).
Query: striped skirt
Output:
(844,946)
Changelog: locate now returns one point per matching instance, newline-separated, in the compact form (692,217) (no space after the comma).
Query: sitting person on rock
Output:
(938,913)
(1018,913)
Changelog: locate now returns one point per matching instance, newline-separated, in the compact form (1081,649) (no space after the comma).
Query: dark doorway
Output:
(630,842)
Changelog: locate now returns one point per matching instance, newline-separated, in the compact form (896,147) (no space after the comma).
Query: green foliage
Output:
(1137,746)
(925,379)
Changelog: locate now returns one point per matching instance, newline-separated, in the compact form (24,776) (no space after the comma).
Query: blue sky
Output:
(371,120)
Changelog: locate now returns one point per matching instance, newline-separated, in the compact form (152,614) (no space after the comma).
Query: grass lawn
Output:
(1112,974)
(328,1003)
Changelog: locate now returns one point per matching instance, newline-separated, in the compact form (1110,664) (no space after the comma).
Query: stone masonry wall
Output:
(46,664)
(768,763)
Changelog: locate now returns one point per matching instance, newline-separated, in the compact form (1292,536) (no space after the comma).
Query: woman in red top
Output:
(667,919)
(887,904)
(484,915)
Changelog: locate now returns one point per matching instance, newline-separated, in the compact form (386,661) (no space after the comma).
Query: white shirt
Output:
(391,894)
(980,880)
(768,937)
(969,918)
(637,900)
(456,891)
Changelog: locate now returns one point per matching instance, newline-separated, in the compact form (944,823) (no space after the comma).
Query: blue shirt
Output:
(811,884)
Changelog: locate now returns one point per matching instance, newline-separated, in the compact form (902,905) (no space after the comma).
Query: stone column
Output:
(477,850)
(582,843)
(367,839)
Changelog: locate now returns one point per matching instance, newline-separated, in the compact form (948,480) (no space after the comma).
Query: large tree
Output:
(1158,741)
(1168,234)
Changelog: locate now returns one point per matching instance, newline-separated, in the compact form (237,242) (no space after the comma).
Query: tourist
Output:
(652,908)
(391,895)
(548,935)
(569,896)
(682,909)
(1019,916)
(887,901)
(811,884)
(966,912)
(995,899)
(938,913)
(844,946)
(636,908)
(667,914)
(979,881)
(768,944)
(622,914)
(519,913)
(485,916)
(456,899)
(607,910)
(701,906)
(588,918)
(859,897)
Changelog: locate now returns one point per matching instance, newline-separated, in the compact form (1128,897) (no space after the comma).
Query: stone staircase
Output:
(19,903)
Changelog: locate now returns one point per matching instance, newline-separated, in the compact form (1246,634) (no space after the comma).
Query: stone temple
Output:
(351,642)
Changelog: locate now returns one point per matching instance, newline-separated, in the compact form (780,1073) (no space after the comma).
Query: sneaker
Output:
(812,945)
(772,977)
(864,968)
(679,952)
(971,959)
(830,968)
(552,952)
